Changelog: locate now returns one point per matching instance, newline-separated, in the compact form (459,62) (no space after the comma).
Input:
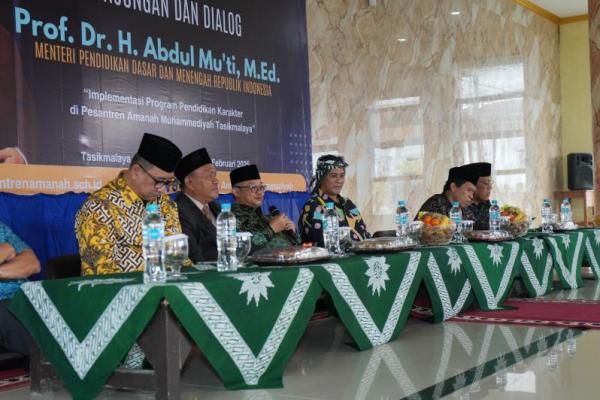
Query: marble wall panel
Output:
(594,12)
(481,85)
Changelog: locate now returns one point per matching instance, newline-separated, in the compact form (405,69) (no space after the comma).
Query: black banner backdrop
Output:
(81,81)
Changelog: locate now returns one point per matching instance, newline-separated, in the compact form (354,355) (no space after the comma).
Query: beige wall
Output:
(479,86)
(576,101)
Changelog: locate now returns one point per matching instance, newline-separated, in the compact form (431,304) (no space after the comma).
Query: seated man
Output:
(327,185)
(17,262)
(481,198)
(459,187)
(267,232)
(109,224)
(198,210)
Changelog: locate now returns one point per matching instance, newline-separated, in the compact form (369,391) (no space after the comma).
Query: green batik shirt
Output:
(254,221)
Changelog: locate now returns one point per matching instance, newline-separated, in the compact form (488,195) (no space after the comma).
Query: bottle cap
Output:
(329,205)
(226,207)
(401,203)
(151,207)
(494,202)
(455,204)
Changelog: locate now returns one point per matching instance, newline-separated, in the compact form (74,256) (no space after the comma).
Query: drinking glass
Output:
(415,229)
(553,222)
(457,236)
(176,252)
(243,246)
(345,239)
(466,228)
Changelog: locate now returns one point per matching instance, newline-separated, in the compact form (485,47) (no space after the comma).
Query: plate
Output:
(289,255)
(488,236)
(381,244)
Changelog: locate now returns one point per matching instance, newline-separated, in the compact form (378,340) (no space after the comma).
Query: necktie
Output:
(208,214)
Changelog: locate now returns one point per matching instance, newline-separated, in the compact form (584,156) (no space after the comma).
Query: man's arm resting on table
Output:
(21,266)
(7,252)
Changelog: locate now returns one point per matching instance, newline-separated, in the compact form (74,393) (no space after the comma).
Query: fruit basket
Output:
(517,222)
(437,229)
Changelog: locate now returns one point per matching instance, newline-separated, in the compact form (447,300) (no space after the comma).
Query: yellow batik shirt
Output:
(109,228)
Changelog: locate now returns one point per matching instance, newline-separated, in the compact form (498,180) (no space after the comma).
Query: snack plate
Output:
(381,244)
(289,256)
(489,236)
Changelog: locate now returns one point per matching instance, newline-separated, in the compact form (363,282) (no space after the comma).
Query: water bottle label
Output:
(154,233)
(402,219)
(494,215)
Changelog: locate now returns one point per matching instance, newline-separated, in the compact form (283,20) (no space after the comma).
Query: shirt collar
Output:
(325,198)
(202,206)
(128,194)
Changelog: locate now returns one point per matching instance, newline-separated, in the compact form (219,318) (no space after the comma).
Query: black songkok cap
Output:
(481,168)
(463,173)
(160,152)
(189,163)
(243,174)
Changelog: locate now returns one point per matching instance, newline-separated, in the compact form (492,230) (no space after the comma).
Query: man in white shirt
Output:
(196,203)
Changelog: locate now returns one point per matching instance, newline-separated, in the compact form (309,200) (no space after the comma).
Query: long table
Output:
(248,323)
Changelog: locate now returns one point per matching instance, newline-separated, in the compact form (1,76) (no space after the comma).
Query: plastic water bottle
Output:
(565,211)
(153,245)
(494,216)
(226,240)
(456,214)
(402,220)
(547,217)
(331,234)
(456,217)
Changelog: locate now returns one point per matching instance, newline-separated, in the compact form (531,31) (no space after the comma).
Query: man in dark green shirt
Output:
(267,232)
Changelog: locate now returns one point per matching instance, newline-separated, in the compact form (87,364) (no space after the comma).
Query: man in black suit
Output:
(197,207)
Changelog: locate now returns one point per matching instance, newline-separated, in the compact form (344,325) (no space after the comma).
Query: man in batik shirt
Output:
(481,198)
(267,231)
(109,224)
(17,263)
(327,184)
(460,187)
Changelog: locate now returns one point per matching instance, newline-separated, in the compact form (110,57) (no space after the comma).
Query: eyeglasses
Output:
(253,188)
(158,183)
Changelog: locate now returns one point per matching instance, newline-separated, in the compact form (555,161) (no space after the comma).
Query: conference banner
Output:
(81,81)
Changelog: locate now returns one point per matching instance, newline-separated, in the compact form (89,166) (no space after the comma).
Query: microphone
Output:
(274,211)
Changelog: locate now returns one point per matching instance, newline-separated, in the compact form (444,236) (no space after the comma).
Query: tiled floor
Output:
(455,360)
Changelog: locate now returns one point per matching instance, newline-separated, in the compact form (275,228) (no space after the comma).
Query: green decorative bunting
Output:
(373,295)
(491,269)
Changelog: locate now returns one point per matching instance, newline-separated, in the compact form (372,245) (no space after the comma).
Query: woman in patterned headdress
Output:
(326,186)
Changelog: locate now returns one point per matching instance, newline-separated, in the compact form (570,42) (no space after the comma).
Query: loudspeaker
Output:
(580,171)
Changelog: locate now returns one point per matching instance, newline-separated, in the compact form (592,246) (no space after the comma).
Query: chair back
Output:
(67,266)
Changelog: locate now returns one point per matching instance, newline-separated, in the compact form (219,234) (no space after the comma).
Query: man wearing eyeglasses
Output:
(267,232)
(109,224)
(481,197)
(198,210)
